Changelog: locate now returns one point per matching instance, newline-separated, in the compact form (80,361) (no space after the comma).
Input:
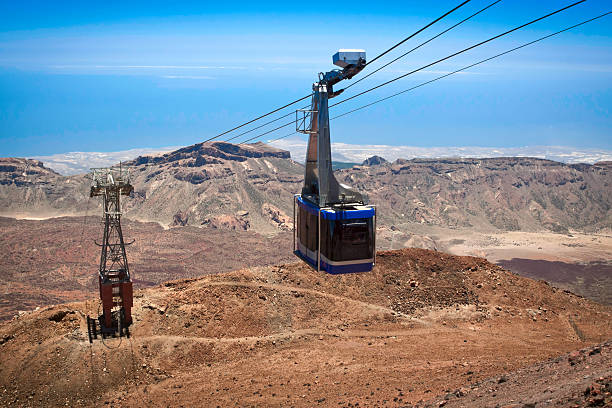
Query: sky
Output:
(110,76)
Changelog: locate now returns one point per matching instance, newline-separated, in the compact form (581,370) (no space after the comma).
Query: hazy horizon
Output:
(70,163)
(85,77)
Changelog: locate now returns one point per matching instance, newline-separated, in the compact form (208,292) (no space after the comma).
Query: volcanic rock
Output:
(374,161)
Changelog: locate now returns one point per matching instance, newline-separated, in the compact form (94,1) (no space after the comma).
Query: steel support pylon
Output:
(114,275)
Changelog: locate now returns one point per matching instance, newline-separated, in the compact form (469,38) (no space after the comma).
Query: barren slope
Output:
(56,260)
(251,186)
(582,378)
(29,189)
(420,324)
(218,184)
(515,193)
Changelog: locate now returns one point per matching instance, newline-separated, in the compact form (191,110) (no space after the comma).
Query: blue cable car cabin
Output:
(334,229)
(337,239)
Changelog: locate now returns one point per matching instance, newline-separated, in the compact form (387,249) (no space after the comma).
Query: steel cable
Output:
(472,65)
(257,118)
(417,32)
(403,55)
(307,96)
(429,65)
(459,70)
(458,53)
(423,43)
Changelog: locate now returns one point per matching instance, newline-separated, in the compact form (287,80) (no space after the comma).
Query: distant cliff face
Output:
(212,153)
(15,170)
(374,161)
(251,187)
(217,184)
(28,188)
(505,193)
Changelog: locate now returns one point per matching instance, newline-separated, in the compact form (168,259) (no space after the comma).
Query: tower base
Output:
(96,327)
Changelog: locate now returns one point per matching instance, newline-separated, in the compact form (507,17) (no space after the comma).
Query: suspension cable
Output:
(375,58)
(417,32)
(257,118)
(422,44)
(459,70)
(265,124)
(458,52)
(471,65)
(269,131)
(428,65)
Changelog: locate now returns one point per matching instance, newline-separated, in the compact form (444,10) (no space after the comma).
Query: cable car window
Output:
(354,233)
(347,240)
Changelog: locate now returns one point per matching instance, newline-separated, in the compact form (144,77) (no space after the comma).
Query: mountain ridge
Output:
(72,163)
(195,184)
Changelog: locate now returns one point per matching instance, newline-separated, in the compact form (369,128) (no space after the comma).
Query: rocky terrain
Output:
(242,193)
(592,279)
(218,324)
(579,262)
(29,189)
(581,378)
(507,194)
(422,324)
(56,260)
(217,184)
(249,187)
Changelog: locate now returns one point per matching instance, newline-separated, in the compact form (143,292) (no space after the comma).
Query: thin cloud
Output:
(130,67)
(187,77)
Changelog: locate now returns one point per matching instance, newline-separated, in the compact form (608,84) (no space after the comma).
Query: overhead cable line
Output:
(257,118)
(265,124)
(457,53)
(472,65)
(422,44)
(417,32)
(375,58)
(428,65)
(459,70)
(268,132)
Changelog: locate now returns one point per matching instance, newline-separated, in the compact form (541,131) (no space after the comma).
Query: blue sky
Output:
(114,76)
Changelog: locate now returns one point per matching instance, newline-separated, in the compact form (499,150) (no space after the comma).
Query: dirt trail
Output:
(295,289)
(421,323)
